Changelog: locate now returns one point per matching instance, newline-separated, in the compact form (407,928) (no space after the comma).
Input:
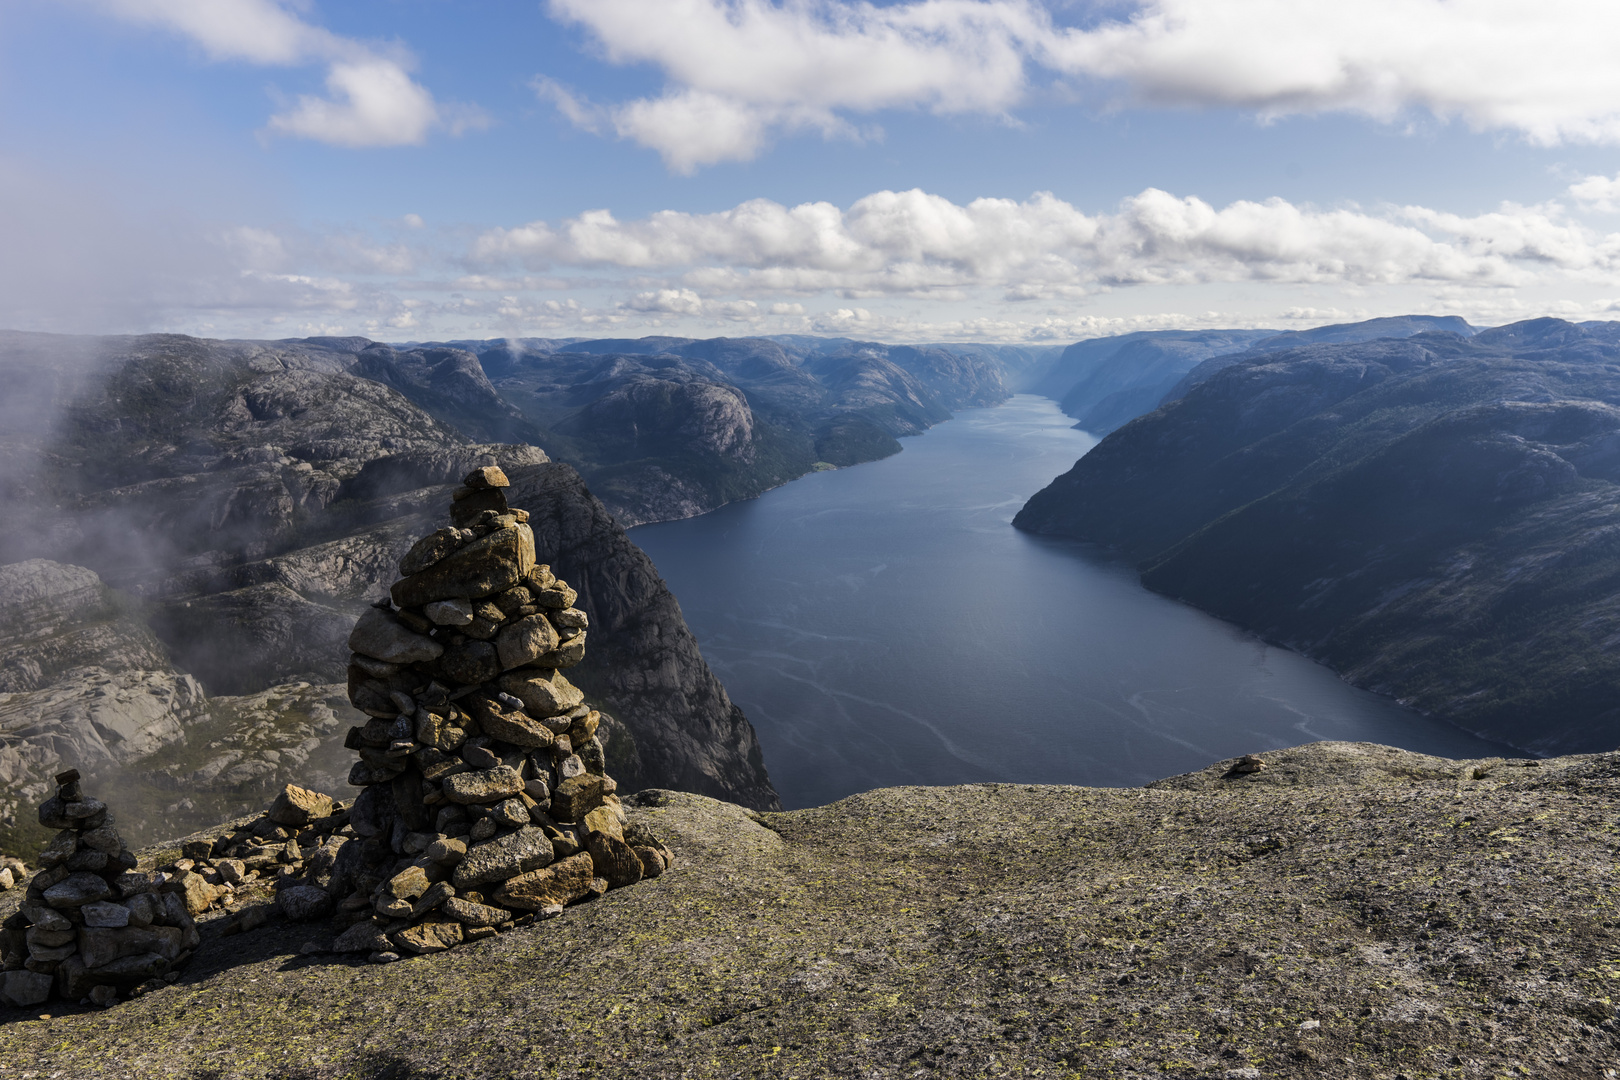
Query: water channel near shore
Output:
(885,624)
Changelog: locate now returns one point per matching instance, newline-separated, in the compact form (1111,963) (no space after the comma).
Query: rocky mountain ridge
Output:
(1432,516)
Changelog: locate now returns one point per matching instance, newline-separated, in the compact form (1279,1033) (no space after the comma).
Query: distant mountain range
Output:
(1435,514)
(664,428)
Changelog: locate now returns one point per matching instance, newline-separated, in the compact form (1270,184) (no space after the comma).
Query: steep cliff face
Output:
(643,661)
(1433,517)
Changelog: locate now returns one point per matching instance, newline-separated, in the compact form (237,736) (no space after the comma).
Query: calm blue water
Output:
(885,624)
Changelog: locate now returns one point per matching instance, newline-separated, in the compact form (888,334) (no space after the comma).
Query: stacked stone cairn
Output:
(486,802)
(91,926)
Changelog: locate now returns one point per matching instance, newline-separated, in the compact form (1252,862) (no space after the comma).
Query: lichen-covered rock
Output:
(482,568)
(557,885)
(483,786)
(502,858)
(298,806)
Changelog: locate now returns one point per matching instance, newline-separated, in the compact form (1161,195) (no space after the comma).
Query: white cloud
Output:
(373,99)
(373,103)
(1600,193)
(912,243)
(739,71)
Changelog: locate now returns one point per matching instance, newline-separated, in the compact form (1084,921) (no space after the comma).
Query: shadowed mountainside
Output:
(1434,517)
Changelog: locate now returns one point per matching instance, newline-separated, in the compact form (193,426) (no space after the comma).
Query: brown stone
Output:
(614,860)
(576,797)
(652,861)
(561,883)
(482,568)
(604,819)
(298,806)
(509,725)
(490,476)
(543,692)
(435,935)
(469,913)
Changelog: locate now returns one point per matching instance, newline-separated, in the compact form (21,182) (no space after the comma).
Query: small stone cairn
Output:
(90,925)
(486,802)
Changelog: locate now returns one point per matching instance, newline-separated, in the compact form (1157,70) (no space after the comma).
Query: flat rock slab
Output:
(1193,929)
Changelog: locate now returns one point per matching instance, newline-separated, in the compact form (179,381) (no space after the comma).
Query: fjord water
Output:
(885,624)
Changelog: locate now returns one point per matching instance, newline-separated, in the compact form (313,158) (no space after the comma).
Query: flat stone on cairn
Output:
(89,926)
(486,800)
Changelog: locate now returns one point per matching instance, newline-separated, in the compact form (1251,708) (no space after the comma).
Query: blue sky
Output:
(916,170)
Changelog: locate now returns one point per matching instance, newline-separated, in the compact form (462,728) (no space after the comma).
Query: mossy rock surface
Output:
(1351,911)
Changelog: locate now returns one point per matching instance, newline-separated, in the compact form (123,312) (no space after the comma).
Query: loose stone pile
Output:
(486,798)
(90,926)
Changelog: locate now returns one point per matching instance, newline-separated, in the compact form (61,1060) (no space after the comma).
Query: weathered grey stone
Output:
(501,858)
(566,655)
(482,786)
(509,725)
(103,839)
(37,939)
(377,634)
(98,948)
(408,884)
(301,902)
(469,913)
(436,895)
(510,813)
(479,755)
(457,612)
(232,870)
(469,662)
(482,568)
(469,509)
(373,812)
(298,806)
(570,619)
(524,641)
(447,850)
(366,937)
(103,914)
(22,989)
(430,549)
(557,596)
(144,909)
(77,889)
(560,884)
(543,692)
